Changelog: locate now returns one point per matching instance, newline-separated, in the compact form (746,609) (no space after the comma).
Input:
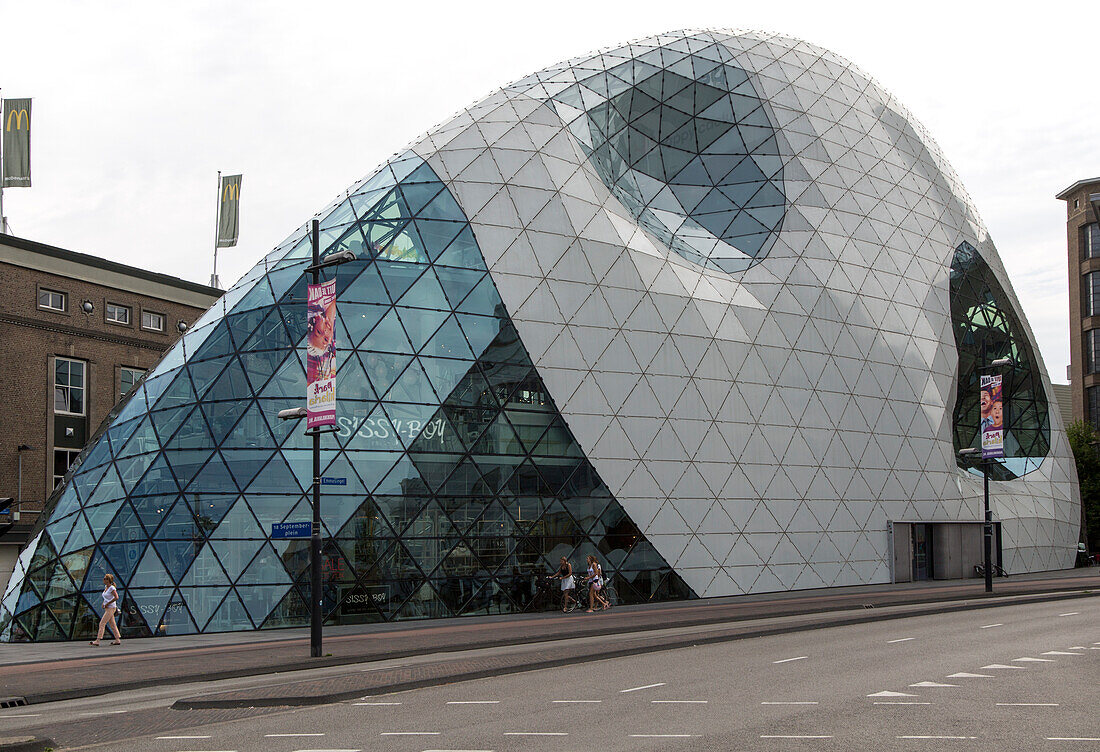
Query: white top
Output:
(110,596)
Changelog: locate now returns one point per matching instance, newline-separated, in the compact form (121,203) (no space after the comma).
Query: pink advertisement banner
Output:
(321,355)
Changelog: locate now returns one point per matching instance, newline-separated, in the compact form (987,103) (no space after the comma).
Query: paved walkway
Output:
(58,671)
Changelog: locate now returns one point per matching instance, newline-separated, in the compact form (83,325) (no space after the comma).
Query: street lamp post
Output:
(316,614)
(972,452)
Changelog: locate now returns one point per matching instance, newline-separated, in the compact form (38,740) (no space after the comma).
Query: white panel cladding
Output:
(760,426)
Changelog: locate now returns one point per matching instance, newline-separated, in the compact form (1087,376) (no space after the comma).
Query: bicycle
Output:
(979,570)
(607,591)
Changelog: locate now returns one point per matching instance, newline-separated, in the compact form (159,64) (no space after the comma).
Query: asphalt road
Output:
(1021,677)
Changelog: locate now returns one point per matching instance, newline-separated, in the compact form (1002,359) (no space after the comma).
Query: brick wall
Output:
(30,338)
(1078,214)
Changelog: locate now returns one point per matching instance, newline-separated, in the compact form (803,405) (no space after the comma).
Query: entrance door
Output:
(922,551)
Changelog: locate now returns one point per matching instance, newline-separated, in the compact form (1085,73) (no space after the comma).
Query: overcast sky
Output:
(138,104)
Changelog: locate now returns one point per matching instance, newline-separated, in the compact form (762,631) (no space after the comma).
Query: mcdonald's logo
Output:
(231,192)
(19,115)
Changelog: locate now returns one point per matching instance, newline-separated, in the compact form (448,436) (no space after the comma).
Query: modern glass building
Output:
(709,306)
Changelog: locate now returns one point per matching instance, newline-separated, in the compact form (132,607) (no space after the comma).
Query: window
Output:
(154,322)
(1092,351)
(62,460)
(1090,294)
(118,314)
(52,300)
(128,377)
(1092,240)
(68,386)
(1094,406)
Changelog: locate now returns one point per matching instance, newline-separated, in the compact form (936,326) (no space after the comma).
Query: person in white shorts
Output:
(110,606)
(565,574)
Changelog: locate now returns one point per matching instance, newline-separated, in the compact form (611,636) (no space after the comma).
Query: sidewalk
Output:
(58,671)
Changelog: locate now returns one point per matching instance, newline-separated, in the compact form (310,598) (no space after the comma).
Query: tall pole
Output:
(988,534)
(217,221)
(315,534)
(3,219)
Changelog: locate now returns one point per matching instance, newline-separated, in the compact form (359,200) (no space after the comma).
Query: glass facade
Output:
(689,149)
(462,480)
(1091,234)
(981,314)
(1090,294)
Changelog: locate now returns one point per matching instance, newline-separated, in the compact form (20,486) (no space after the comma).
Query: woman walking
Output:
(565,574)
(110,606)
(595,584)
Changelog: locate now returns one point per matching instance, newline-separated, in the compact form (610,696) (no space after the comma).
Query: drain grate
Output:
(12,702)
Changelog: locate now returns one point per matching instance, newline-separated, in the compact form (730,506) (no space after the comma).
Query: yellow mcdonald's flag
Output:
(229,200)
(17,143)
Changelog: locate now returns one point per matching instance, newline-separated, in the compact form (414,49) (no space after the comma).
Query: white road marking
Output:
(1002,666)
(1073,738)
(1078,647)
(327,750)
(21,715)
(473,702)
(681,702)
(458,750)
(376,703)
(795,736)
(936,737)
(900,639)
(888,693)
(791,702)
(288,736)
(571,701)
(1033,660)
(788,660)
(1027,704)
(663,736)
(1071,613)
(898,702)
(932,684)
(990,626)
(647,686)
(1058,652)
(183,737)
(965,675)
(536,733)
(411,733)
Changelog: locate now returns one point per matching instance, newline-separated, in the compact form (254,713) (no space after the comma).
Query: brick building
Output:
(76,333)
(1083,246)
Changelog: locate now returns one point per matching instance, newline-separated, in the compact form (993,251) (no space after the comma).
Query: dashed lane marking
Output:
(473,702)
(900,639)
(21,715)
(680,702)
(183,737)
(288,736)
(647,686)
(990,626)
(788,660)
(888,693)
(663,736)
(1032,660)
(1027,704)
(1059,652)
(931,736)
(411,733)
(898,702)
(1071,613)
(993,666)
(965,675)
(536,733)
(1073,738)
(795,736)
(932,684)
(376,703)
(789,702)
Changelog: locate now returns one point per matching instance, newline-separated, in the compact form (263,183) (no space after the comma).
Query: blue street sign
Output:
(291,530)
(334,481)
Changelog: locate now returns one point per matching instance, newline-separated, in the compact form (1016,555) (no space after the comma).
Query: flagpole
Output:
(217,219)
(3,219)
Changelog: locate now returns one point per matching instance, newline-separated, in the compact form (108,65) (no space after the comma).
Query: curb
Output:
(595,653)
(888,600)
(25,744)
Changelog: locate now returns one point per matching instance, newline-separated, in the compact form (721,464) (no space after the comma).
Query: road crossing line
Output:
(647,686)
(788,660)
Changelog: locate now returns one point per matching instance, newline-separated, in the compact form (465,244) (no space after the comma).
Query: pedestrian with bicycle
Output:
(568,584)
(595,584)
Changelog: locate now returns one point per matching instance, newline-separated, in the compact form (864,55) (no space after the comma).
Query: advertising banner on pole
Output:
(229,211)
(17,143)
(321,355)
(993,423)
